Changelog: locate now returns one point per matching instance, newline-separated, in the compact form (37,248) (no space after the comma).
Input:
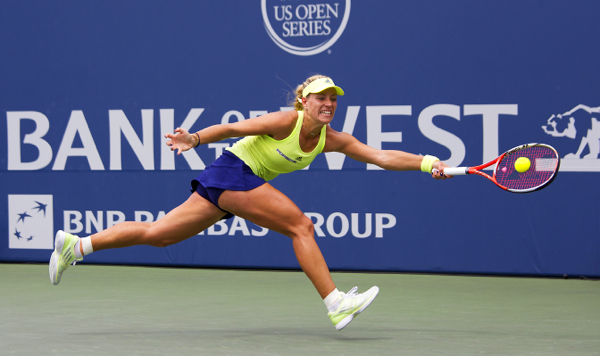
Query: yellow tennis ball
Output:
(522,164)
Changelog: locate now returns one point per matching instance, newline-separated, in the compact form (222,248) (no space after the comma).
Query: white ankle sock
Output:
(86,244)
(77,250)
(332,300)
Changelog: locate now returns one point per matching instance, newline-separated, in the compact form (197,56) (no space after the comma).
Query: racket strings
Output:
(544,161)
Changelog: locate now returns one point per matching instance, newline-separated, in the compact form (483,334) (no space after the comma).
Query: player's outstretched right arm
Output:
(277,125)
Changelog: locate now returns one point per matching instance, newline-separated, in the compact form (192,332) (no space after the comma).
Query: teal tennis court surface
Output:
(143,310)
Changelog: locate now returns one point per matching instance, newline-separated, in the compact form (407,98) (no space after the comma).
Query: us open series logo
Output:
(30,221)
(305,27)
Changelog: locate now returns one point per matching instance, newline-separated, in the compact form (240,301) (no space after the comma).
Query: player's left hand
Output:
(438,170)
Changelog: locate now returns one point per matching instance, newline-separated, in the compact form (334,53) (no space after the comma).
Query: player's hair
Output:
(298,93)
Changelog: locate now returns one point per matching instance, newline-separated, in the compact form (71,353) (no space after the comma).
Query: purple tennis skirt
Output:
(228,172)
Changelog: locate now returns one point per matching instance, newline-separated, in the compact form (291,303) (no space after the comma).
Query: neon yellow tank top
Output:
(268,157)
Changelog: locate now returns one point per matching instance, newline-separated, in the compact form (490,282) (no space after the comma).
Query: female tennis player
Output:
(236,184)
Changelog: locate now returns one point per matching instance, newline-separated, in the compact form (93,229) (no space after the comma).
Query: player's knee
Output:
(309,226)
(159,243)
(155,238)
(304,228)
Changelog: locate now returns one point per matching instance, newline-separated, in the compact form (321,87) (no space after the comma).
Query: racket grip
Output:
(456,171)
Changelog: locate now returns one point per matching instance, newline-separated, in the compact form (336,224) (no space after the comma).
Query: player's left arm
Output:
(386,159)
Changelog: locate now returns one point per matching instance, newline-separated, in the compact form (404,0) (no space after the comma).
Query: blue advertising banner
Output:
(88,89)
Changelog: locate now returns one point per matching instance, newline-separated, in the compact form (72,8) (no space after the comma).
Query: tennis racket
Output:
(544,160)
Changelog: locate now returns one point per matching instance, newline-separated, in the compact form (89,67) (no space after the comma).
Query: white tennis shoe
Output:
(63,255)
(351,304)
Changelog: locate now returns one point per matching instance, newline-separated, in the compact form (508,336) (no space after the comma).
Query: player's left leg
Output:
(268,207)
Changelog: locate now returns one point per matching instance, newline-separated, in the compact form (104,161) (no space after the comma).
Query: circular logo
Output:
(305,27)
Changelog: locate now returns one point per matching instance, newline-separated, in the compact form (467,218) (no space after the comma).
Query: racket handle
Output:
(456,171)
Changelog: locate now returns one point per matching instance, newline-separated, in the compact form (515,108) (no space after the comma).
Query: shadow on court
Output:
(235,333)
(128,310)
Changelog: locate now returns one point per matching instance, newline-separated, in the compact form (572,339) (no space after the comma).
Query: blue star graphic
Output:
(23,216)
(17,234)
(41,207)
(30,238)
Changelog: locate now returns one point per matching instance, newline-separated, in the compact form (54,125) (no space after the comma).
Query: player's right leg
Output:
(63,255)
(190,218)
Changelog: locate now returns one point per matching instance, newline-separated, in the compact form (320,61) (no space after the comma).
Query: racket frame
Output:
(477,169)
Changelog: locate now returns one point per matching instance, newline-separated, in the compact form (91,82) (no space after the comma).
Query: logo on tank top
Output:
(305,27)
(286,157)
